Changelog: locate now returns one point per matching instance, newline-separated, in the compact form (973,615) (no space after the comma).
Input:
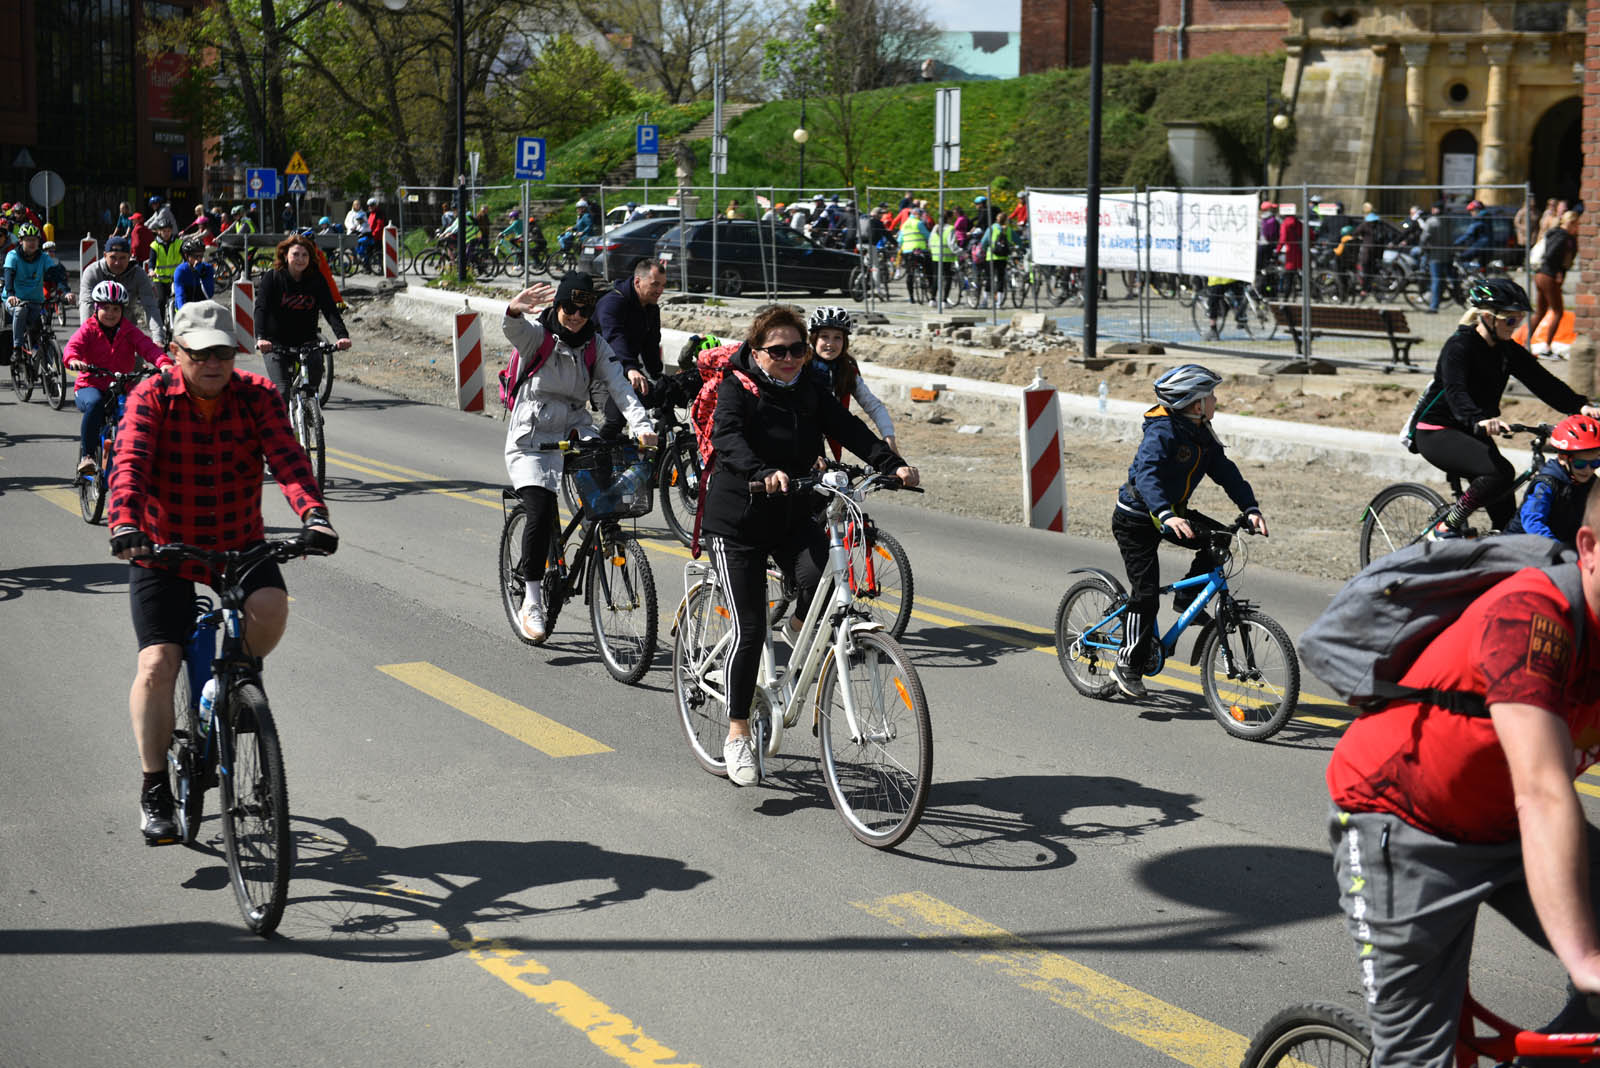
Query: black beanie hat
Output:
(576,287)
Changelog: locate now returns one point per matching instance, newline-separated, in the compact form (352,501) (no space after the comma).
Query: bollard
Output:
(391,251)
(88,252)
(469,360)
(244,316)
(1044,484)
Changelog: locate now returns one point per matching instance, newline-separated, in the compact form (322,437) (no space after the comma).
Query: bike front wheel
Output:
(1256,697)
(308,431)
(22,375)
(54,375)
(255,812)
(622,609)
(327,384)
(878,779)
(880,581)
(699,683)
(92,496)
(1087,641)
(680,488)
(1397,517)
(1315,1035)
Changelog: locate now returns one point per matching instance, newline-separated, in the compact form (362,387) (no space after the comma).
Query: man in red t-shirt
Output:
(1438,812)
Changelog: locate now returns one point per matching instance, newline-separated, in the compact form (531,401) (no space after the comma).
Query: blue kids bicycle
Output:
(224,735)
(1249,673)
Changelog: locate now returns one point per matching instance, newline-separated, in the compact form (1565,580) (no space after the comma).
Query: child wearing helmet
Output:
(109,342)
(194,279)
(1456,418)
(1558,491)
(829,333)
(27,272)
(1178,449)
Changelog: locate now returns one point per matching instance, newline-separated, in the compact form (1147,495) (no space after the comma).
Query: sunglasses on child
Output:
(795,351)
(1583,465)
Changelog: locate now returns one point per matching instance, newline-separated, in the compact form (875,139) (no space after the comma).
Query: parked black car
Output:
(746,252)
(613,255)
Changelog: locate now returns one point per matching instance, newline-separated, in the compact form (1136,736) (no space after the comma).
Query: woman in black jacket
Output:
(1458,415)
(288,301)
(769,426)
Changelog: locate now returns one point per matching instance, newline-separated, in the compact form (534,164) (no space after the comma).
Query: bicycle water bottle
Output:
(1104,393)
(208,705)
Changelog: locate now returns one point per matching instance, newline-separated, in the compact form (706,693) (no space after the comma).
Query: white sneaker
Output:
(739,754)
(531,619)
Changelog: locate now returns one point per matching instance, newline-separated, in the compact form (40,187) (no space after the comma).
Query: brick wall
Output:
(1242,27)
(1586,302)
(1055,33)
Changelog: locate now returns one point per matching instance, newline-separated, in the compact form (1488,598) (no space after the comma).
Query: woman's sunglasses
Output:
(572,307)
(795,351)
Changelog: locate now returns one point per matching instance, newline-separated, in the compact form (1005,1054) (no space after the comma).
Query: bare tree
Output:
(670,46)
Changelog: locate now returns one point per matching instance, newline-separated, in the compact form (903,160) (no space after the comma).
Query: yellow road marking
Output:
(65,499)
(524,724)
(1183,1036)
(610,1031)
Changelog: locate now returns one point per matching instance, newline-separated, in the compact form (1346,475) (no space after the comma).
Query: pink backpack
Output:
(516,372)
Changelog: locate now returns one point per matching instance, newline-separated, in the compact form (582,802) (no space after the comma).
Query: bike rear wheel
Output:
(1314,1035)
(1088,652)
(888,595)
(92,497)
(1257,699)
(184,759)
(879,781)
(698,680)
(680,487)
(54,375)
(622,609)
(327,384)
(1397,517)
(255,812)
(512,584)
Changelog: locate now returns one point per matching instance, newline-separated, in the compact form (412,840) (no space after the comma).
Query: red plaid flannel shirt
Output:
(179,478)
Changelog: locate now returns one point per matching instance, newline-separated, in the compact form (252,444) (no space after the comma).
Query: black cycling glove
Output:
(320,542)
(125,538)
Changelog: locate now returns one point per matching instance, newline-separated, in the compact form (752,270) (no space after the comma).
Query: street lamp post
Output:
(801,136)
(1277,119)
(459,23)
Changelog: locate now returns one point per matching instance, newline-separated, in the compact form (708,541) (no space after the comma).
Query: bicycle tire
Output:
(622,609)
(92,494)
(52,374)
(255,811)
(1017,283)
(21,375)
(857,286)
(1256,706)
(1200,313)
(319,447)
(1261,315)
(679,486)
(889,600)
(702,621)
(429,262)
(326,390)
(1316,1035)
(183,759)
(1398,516)
(879,784)
(1086,603)
(512,584)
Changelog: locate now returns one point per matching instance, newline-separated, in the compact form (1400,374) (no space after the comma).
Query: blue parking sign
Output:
(180,166)
(530,159)
(647,140)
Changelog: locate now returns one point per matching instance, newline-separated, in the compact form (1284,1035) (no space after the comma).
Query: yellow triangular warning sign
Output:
(296,165)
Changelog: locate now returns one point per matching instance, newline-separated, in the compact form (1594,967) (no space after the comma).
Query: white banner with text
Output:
(1209,234)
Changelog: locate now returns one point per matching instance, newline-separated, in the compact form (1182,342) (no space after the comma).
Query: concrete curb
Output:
(1248,437)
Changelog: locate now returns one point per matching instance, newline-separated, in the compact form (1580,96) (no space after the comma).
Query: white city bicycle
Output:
(867,707)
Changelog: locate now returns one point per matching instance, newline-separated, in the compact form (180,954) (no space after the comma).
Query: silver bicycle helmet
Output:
(829,315)
(1185,384)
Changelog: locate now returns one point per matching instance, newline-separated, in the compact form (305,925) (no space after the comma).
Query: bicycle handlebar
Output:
(282,549)
(815,482)
(143,371)
(1538,430)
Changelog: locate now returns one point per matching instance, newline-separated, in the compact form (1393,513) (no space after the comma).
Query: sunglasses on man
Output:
(217,353)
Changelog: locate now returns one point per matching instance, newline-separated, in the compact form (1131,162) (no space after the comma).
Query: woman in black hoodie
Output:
(769,427)
(288,300)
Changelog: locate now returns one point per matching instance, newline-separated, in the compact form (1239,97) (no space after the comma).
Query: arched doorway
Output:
(1458,166)
(1555,157)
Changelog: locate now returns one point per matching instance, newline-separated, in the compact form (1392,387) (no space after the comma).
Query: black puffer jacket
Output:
(776,429)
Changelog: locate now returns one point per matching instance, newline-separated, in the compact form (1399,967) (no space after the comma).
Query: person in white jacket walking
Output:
(550,404)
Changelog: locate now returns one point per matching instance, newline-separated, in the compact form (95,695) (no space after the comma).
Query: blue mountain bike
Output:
(1249,673)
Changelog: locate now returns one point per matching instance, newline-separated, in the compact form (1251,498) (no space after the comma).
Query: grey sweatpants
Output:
(1411,902)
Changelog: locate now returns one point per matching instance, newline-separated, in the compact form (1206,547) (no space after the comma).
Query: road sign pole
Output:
(527,232)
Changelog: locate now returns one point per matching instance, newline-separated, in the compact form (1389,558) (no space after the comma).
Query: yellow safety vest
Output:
(942,243)
(167,257)
(913,236)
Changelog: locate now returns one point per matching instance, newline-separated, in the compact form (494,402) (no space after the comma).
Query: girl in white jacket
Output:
(829,330)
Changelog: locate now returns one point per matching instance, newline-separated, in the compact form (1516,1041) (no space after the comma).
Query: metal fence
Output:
(952,279)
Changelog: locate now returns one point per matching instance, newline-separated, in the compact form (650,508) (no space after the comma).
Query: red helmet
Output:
(1575,433)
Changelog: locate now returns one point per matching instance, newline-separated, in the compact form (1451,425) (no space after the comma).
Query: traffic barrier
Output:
(244,316)
(469,361)
(391,251)
(88,252)
(1044,482)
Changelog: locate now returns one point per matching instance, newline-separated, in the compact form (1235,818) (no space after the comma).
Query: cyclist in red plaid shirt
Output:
(188,469)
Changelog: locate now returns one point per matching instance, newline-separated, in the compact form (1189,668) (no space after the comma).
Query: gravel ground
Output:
(1314,512)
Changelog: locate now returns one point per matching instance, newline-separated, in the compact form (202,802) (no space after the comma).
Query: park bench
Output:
(1344,320)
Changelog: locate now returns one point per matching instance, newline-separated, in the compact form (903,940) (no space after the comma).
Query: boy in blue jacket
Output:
(1559,490)
(1179,448)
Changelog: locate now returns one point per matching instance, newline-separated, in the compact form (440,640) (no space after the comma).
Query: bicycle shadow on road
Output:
(1027,822)
(8,439)
(355,491)
(965,645)
(353,898)
(110,576)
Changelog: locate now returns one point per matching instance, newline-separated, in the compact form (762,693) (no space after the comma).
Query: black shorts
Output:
(163,603)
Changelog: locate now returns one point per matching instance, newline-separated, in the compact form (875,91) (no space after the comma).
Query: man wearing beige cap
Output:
(187,469)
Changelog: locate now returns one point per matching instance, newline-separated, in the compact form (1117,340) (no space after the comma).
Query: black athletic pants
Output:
(1138,538)
(540,506)
(742,572)
(1474,457)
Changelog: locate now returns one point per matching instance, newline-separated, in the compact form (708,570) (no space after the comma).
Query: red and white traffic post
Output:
(469,360)
(88,252)
(1044,482)
(244,316)
(391,251)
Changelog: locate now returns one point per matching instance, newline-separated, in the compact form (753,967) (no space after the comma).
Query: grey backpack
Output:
(1375,628)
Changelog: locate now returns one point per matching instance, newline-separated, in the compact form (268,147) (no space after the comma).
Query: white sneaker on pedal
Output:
(739,754)
(531,619)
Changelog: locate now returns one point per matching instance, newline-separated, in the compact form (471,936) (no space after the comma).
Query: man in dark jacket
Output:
(629,318)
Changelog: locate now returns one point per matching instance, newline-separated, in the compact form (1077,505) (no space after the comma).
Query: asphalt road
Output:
(1094,883)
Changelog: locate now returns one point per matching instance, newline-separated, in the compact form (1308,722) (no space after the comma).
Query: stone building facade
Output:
(1586,301)
(1436,93)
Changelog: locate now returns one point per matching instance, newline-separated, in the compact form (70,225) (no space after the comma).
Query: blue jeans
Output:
(1437,269)
(92,403)
(23,316)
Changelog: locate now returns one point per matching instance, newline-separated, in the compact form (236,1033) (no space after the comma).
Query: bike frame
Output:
(1214,583)
(1508,1040)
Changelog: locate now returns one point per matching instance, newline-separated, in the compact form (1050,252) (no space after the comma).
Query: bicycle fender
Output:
(1106,576)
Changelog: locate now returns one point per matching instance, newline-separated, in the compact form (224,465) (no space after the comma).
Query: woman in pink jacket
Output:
(110,341)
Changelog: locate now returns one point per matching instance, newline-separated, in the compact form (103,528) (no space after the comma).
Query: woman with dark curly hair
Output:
(288,299)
